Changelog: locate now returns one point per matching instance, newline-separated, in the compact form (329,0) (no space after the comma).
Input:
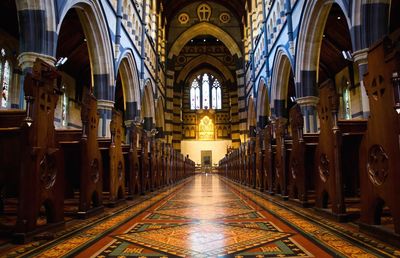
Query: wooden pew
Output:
(380,154)
(144,163)
(189,167)
(235,165)
(113,163)
(164,164)
(268,160)
(167,161)
(301,164)
(336,158)
(242,164)
(133,177)
(281,177)
(173,165)
(253,163)
(11,146)
(178,166)
(31,160)
(248,164)
(152,162)
(84,176)
(259,164)
(158,169)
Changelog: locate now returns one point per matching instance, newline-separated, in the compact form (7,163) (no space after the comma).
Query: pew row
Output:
(31,175)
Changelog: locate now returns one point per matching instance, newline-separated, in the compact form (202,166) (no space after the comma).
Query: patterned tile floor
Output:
(209,216)
(205,218)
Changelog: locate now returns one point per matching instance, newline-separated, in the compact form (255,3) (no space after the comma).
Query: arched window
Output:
(216,95)
(195,95)
(5,76)
(64,107)
(346,103)
(209,98)
(206,91)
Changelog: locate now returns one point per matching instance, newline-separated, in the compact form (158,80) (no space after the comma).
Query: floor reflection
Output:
(207,218)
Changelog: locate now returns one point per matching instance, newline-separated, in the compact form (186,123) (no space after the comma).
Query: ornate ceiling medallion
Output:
(183,18)
(224,17)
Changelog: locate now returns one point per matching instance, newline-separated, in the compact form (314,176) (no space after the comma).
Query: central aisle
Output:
(204,218)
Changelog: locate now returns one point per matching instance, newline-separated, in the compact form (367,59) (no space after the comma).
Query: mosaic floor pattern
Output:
(209,216)
(206,218)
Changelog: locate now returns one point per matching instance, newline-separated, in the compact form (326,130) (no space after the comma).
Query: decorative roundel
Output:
(181,60)
(183,18)
(224,17)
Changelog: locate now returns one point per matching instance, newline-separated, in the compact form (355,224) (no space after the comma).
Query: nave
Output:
(208,216)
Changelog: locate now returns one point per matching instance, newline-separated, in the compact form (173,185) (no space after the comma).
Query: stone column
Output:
(105,114)
(361,58)
(25,62)
(308,106)
(242,103)
(169,109)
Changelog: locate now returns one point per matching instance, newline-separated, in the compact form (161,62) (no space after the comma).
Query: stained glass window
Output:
(219,98)
(195,95)
(201,96)
(214,98)
(206,91)
(216,95)
(5,76)
(346,103)
(64,106)
(192,98)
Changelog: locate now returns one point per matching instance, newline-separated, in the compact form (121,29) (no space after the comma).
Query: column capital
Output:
(308,100)
(27,59)
(361,56)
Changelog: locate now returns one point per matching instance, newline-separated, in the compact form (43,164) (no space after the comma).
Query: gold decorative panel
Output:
(206,129)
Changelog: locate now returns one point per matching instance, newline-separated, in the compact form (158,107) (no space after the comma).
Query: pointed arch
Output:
(160,114)
(147,106)
(280,77)
(96,30)
(251,115)
(311,29)
(204,28)
(263,106)
(130,77)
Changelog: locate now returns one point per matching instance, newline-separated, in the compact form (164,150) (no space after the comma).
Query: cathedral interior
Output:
(203,128)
